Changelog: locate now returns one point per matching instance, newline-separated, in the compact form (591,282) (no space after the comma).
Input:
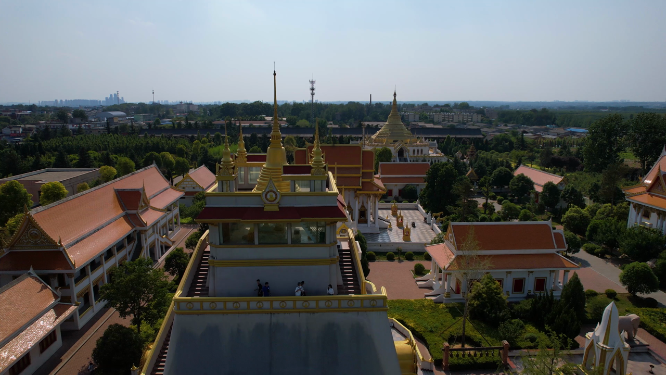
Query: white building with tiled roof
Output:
(395,176)
(540,178)
(195,181)
(31,315)
(73,244)
(522,256)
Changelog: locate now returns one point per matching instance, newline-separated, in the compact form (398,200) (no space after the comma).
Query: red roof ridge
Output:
(67,199)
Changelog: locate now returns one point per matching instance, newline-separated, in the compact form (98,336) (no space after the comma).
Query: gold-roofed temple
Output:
(393,130)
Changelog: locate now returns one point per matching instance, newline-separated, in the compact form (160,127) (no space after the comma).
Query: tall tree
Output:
(124,166)
(521,185)
(550,195)
(107,173)
(604,142)
(52,192)
(437,195)
(138,290)
(647,136)
(85,161)
(609,190)
(13,199)
(486,188)
(382,155)
(501,177)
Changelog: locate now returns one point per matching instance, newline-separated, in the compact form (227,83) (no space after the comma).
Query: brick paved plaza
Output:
(422,233)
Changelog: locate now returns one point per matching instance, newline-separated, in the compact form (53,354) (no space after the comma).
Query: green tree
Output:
(168,162)
(638,278)
(609,190)
(152,157)
(647,136)
(525,215)
(80,114)
(255,150)
(124,166)
(138,290)
(85,161)
(466,208)
(13,199)
(573,242)
(14,223)
(487,301)
(573,296)
(382,155)
(176,263)
(118,349)
(437,195)
(181,166)
(107,173)
(607,232)
(576,220)
(61,160)
(486,188)
(521,186)
(550,359)
(501,177)
(572,196)
(62,116)
(604,142)
(193,240)
(642,244)
(82,187)
(550,195)
(303,124)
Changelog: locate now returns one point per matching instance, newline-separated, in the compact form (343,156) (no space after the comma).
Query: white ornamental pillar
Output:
(447,285)
(508,283)
(565,278)
(356,211)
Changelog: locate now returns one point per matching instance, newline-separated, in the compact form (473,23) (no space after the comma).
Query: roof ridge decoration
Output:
(30,235)
(66,199)
(241,154)
(227,167)
(318,165)
(271,197)
(276,157)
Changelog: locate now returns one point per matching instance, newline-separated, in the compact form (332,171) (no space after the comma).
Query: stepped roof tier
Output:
(393,131)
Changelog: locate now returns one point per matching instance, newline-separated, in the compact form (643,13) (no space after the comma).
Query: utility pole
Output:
(312,92)
(153,96)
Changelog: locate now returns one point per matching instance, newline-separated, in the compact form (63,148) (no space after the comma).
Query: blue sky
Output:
(439,50)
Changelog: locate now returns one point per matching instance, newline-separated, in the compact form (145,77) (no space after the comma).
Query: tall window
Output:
(236,233)
(308,232)
(241,175)
(518,286)
(272,233)
(254,174)
(48,341)
(540,284)
(21,365)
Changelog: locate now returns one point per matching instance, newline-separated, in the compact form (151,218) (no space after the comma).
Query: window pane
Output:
(241,175)
(272,233)
(254,174)
(308,232)
(302,185)
(237,233)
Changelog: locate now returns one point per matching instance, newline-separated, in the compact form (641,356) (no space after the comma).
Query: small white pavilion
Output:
(605,346)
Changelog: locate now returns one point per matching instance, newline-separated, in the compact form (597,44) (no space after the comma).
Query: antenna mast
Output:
(312,92)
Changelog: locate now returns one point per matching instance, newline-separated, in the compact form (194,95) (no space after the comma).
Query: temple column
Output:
(508,283)
(632,215)
(565,278)
(376,209)
(447,285)
(663,225)
(556,279)
(530,282)
(356,211)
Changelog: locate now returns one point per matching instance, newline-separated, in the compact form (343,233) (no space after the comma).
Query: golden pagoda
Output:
(241,154)
(276,157)
(318,165)
(393,131)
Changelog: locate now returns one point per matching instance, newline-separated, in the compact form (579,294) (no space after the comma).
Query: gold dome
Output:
(393,130)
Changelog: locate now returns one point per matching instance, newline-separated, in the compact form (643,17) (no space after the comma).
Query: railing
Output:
(421,362)
(370,288)
(280,304)
(487,351)
(353,246)
(190,271)
(155,347)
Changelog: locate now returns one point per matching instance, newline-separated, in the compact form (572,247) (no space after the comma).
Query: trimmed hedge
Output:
(390,256)
(371,256)
(409,255)
(610,293)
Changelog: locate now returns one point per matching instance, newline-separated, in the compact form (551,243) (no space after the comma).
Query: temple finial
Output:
(318,166)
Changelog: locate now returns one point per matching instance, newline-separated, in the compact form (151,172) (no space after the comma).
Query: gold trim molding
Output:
(272,262)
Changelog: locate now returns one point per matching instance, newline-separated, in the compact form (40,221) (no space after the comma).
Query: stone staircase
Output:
(158,368)
(349,276)
(198,287)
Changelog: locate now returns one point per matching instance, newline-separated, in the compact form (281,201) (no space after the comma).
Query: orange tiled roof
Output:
(150,216)
(348,181)
(368,160)
(659,165)
(21,301)
(73,217)
(165,198)
(403,169)
(39,260)
(441,254)
(130,199)
(635,190)
(649,199)
(507,236)
(517,262)
(300,157)
(34,333)
(89,247)
(403,180)
(559,240)
(538,177)
(203,176)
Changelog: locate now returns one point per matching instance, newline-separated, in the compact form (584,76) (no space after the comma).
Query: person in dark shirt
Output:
(259,290)
(267,290)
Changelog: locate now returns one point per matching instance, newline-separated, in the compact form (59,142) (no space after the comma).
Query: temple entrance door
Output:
(401,153)
(362,215)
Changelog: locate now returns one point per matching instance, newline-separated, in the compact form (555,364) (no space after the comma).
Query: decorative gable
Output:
(31,236)
(658,186)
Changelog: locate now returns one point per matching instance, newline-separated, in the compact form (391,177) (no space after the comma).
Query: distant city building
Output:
(186,107)
(69,177)
(114,117)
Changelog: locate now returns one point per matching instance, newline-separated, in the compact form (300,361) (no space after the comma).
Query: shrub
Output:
(409,255)
(638,278)
(591,248)
(390,256)
(573,296)
(372,256)
(487,301)
(610,293)
(521,310)
(483,218)
(427,256)
(419,269)
(118,349)
(531,337)
(500,199)
(365,265)
(597,307)
(589,293)
(576,220)
(492,196)
(511,330)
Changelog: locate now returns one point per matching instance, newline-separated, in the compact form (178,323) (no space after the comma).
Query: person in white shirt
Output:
(330,290)
(298,290)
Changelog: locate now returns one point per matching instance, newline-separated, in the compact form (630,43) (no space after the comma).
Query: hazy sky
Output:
(439,50)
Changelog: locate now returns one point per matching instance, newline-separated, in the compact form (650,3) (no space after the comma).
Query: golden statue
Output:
(394,209)
(406,233)
(399,220)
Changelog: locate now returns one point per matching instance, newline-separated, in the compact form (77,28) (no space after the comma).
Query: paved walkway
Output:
(611,272)
(396,278)
(422,232)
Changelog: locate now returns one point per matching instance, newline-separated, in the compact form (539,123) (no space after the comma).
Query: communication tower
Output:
(312,92)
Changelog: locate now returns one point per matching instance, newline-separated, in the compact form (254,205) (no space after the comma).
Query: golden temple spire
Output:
(276,156)
(393,131)
(241,155)
(318,165)
(227,165)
